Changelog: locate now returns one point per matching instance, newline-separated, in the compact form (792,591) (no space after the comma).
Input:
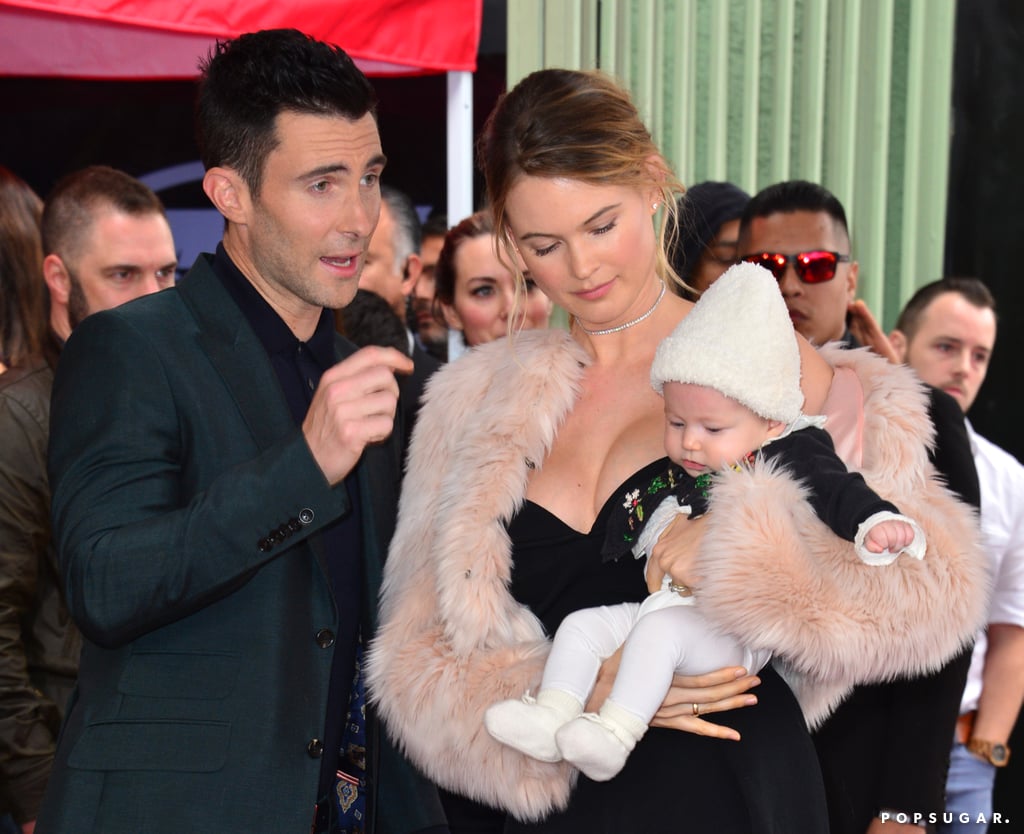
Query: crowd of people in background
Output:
(276,538)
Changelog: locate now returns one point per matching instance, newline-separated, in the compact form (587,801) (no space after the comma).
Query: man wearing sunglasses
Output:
(798,231)
(884,751)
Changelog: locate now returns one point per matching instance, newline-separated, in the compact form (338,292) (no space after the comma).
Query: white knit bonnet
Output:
(739,340)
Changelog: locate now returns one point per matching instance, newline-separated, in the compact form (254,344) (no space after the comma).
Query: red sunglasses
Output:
(814,267)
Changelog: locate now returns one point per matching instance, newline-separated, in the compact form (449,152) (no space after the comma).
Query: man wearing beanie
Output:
(709,224)
(740,403)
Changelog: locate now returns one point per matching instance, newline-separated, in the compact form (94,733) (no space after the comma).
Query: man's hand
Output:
(353,407)
(866,330)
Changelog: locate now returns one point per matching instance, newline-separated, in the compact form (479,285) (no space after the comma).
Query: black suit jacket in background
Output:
(888,745)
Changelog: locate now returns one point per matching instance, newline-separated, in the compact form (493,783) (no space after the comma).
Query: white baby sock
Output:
(599,744)
(529,724)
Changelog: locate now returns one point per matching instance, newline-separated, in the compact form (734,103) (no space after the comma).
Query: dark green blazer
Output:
(203,683)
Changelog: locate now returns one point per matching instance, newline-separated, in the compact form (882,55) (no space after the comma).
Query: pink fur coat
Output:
(453,640)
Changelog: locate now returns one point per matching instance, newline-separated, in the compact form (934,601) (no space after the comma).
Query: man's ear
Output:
(57,279)
(411,273)
(851,281)
(228,193)
(898,340)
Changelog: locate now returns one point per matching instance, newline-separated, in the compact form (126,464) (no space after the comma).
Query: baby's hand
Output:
(892,536)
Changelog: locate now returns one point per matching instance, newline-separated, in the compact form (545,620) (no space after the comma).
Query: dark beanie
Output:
(702,211)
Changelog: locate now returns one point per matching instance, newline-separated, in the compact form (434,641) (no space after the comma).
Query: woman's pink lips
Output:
(595,293)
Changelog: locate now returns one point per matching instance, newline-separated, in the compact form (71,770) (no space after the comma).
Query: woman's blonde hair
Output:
(578,125)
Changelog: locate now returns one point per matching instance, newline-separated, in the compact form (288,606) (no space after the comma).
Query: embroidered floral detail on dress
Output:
(636,500)
(702,483)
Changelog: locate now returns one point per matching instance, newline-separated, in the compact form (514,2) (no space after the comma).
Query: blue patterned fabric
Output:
(349,795)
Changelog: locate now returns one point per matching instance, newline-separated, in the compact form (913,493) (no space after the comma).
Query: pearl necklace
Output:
(628,324)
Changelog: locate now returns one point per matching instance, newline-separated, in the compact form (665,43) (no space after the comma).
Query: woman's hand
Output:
(694,696)
(719,691)
(675,553)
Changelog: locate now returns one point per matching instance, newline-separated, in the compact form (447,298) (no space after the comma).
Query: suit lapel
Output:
(232,347)
(238,355)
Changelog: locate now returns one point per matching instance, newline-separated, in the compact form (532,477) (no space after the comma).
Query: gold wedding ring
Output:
(696,709)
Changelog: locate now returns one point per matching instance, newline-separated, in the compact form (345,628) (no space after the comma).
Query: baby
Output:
(730,377)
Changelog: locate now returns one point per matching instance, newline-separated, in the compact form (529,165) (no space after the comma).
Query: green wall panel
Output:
(854,94)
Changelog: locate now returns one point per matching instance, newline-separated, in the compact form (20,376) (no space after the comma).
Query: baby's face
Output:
(707,431)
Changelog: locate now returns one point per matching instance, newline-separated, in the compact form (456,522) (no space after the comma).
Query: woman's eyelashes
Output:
(600,230)
(482,291)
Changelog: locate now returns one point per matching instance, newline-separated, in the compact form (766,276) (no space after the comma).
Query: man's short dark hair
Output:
(436,224)
(247,82)
(794,195)
(71,207)
(971,289)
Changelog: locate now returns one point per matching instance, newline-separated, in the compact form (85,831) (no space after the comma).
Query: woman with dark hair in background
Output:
(476,293)
(709,226)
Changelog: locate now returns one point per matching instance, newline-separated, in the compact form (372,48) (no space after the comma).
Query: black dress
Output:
(673,781)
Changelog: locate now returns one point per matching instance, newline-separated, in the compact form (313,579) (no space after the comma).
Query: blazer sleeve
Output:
(141,543)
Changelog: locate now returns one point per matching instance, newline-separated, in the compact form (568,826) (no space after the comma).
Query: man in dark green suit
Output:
(224,478)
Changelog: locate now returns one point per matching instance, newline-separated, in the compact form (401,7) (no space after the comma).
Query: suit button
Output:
(315,748)
(294,525)
(264,545)
(325,638)
(306,515)
(284,531)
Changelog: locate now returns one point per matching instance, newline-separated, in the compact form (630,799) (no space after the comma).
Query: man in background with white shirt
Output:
(946,333)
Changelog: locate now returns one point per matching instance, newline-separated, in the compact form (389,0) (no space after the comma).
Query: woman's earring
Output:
(654,206)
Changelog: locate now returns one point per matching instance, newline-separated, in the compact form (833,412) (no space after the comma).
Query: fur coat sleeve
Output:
(775,577)
(453,640)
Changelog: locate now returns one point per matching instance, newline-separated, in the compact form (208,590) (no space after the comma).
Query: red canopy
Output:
(150,39)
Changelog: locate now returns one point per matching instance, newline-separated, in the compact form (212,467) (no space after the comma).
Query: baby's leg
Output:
(584,639)
(665,642)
